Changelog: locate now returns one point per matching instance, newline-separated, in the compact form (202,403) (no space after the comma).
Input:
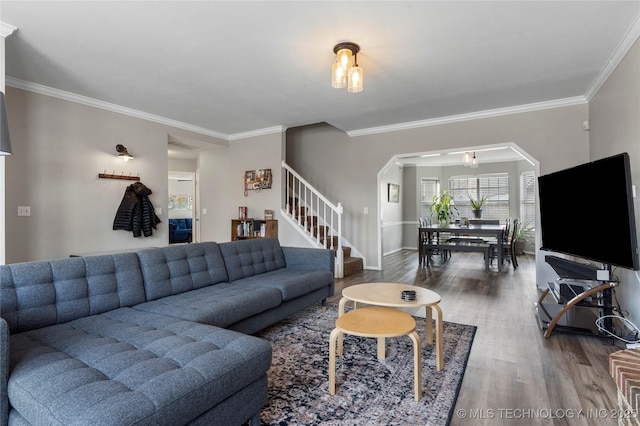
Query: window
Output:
(428,188)
(494,186)
(528,198)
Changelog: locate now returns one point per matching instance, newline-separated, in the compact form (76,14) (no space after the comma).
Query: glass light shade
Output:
(474,162)
(467,159)
(338,76)
(356,79)
(345,58)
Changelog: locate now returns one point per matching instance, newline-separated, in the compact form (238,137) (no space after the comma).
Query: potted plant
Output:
(476,205)
(442,207)
(523,235)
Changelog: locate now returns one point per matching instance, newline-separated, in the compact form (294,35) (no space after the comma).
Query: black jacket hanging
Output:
(136,213)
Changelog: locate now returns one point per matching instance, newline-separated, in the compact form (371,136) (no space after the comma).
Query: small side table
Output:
(389,294)
(378,322)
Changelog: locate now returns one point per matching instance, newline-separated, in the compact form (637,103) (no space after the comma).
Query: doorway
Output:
(423,173)
(182,207)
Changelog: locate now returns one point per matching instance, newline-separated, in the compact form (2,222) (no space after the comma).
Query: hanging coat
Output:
(136,213)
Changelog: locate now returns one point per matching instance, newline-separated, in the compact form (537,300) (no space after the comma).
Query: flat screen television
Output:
(587,211)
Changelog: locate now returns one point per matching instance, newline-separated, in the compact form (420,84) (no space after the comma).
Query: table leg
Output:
(417,365)
(332,360)
(439,342)
(381,349)
(341,305)
(428,325)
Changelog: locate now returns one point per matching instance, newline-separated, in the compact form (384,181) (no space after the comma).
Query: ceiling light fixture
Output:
(122,153)
(466,159)
(474,161)
(5,140)
(345,71)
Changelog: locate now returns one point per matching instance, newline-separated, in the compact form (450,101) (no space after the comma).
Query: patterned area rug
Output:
(368,391)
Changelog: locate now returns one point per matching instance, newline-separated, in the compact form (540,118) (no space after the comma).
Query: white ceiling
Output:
(229,69)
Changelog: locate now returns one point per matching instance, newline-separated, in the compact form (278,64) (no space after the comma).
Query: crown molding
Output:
(72,97)
(6,29)
(538,106)
(614,60)
(84,100)
(258,132)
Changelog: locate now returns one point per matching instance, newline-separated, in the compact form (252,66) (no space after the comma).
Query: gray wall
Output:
(346,169)
(59,149)
(615,127)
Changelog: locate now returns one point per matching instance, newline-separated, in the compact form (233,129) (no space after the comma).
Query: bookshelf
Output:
(242,229)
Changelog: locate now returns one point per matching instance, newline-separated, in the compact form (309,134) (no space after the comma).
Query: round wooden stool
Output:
(379,322)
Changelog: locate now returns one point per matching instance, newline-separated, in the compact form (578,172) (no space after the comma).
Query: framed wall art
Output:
(257,180)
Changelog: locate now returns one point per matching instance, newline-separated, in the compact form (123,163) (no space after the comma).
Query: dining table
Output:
(429,237)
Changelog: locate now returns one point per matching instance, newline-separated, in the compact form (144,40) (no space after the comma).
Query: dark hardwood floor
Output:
(514,375)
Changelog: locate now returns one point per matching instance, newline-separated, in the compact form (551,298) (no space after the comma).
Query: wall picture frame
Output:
(393,193)
(257,180)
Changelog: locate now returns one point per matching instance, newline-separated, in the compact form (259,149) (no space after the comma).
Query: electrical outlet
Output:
(24,210)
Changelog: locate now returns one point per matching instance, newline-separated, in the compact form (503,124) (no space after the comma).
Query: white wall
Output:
(615,128)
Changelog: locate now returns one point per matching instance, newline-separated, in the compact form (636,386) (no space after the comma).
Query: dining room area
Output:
(480,200)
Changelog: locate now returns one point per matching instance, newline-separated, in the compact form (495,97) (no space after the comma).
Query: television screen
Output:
(587,211)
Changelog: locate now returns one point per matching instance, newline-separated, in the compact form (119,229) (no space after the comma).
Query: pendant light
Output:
(345,70)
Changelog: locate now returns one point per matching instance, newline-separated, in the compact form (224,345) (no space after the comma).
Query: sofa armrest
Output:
(309,258)
(4,372)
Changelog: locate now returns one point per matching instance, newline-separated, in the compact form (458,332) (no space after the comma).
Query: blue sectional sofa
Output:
(156,337)
(180,230)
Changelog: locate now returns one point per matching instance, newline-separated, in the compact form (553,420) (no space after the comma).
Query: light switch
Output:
(204,211)
(24,210)
(366,210)
(158,211)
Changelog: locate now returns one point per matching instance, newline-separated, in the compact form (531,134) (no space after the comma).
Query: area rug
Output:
(368,391)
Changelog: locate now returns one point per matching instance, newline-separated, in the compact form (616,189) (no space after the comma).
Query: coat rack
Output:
(121,176)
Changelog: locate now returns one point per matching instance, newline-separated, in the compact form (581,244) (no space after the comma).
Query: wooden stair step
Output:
(351,265)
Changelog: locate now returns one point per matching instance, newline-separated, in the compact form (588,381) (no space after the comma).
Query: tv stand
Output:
(578,299)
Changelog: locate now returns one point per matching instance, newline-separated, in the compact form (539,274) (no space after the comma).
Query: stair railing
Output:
(302,202)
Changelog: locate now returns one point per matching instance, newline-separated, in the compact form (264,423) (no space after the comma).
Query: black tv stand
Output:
(578,298)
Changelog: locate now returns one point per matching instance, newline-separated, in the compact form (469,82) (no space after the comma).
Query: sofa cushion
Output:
(291,283)
(246,258)
(220,305)
(129,367)
(43,293)
(176,269)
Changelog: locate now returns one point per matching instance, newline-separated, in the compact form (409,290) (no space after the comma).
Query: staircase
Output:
(318,220)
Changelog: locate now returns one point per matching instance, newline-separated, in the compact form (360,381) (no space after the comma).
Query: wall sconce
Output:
(5,140)
(122,153)
(345,71)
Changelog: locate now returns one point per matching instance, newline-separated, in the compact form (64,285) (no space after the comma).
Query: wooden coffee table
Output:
(390,295)
(378,322)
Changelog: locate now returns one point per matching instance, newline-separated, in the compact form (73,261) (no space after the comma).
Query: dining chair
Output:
(507,245)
